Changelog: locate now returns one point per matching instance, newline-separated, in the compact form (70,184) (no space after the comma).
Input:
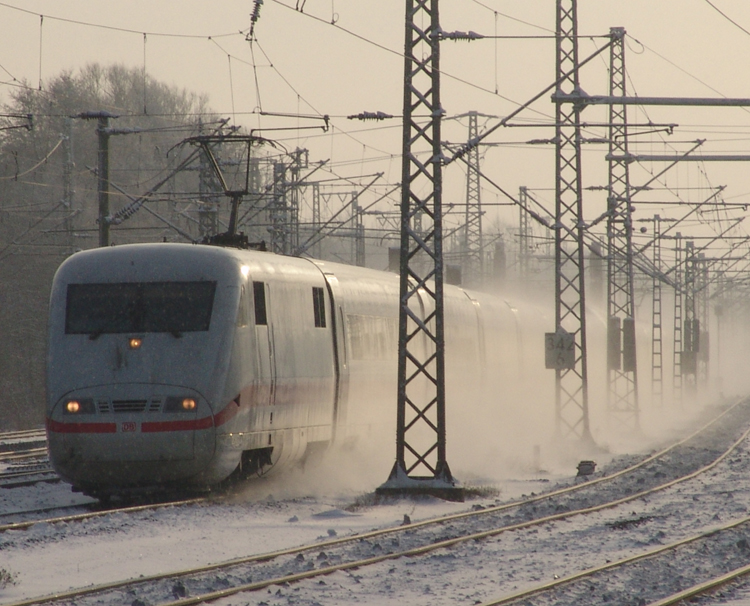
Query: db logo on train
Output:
(128,426)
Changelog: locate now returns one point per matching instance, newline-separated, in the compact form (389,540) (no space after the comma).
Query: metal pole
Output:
(421,465)
(279,215)
(622,392)
(571,376)
(208,211)
(103,133)
(103,178)
(677,338)
(474,255)
(690,331)
(68,190)
(316,218)
(703,284)
(524,238)
(657,385)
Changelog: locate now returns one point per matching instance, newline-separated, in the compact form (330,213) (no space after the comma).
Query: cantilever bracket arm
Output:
(667,101)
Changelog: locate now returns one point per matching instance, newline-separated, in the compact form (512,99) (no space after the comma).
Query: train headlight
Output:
(79,406)
(181,404)
(135,343)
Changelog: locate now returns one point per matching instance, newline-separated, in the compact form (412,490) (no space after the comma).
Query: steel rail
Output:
(22,512)
(15,455)
(22,433)
(24,483)
(629,560)
(647,554)
(478,536)
(96,514)
(702,588)
(418,551)
(28,478)
(12,475)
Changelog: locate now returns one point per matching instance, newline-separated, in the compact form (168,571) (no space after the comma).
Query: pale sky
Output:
(305,65)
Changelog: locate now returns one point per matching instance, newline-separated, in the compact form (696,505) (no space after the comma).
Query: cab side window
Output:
(259,294)
(242,311)
(319,307)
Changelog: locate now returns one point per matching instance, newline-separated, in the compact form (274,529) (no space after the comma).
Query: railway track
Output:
(25,466)
(257,572)
(27,470)
(15,441)
(705,588)
(97,513)
(46,510)
(28,478)
(31,453)
(633,572)
(23,434)
(23,459)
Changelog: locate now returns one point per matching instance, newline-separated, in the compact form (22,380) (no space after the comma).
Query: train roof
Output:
(199,261)
(189,261)
(147,261)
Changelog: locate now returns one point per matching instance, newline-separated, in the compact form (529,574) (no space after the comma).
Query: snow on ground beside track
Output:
(39,496)
(50,558)
(475,572)
(295,508)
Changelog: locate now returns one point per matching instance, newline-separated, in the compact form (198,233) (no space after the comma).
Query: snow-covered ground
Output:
(299,508)
(268,514)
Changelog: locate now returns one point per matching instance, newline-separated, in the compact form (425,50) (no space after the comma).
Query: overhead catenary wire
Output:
(14,242)
(391,155)
(37,165)
(308,103)
(401,55)
(117,28)
(727,17)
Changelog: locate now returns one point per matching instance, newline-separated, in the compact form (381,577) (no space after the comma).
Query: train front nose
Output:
(122,436)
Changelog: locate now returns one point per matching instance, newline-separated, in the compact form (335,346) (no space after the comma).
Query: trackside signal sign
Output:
(559,350)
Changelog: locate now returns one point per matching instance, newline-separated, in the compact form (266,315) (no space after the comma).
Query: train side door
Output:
(265,343)
(481,346)
(340,354)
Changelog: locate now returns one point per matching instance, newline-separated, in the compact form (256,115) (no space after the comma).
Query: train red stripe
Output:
(194,424)
(229,412)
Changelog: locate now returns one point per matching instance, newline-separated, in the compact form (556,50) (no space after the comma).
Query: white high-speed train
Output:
(175,365)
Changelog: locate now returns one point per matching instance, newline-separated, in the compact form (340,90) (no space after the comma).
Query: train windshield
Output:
(132,307)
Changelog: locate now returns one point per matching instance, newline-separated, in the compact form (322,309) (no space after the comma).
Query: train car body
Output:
(174,365)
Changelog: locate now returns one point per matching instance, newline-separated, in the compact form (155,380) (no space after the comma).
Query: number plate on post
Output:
(559,350)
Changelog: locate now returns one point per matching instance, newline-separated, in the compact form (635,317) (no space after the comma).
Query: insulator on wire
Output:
(468,36)
(254,16)
(370,116)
